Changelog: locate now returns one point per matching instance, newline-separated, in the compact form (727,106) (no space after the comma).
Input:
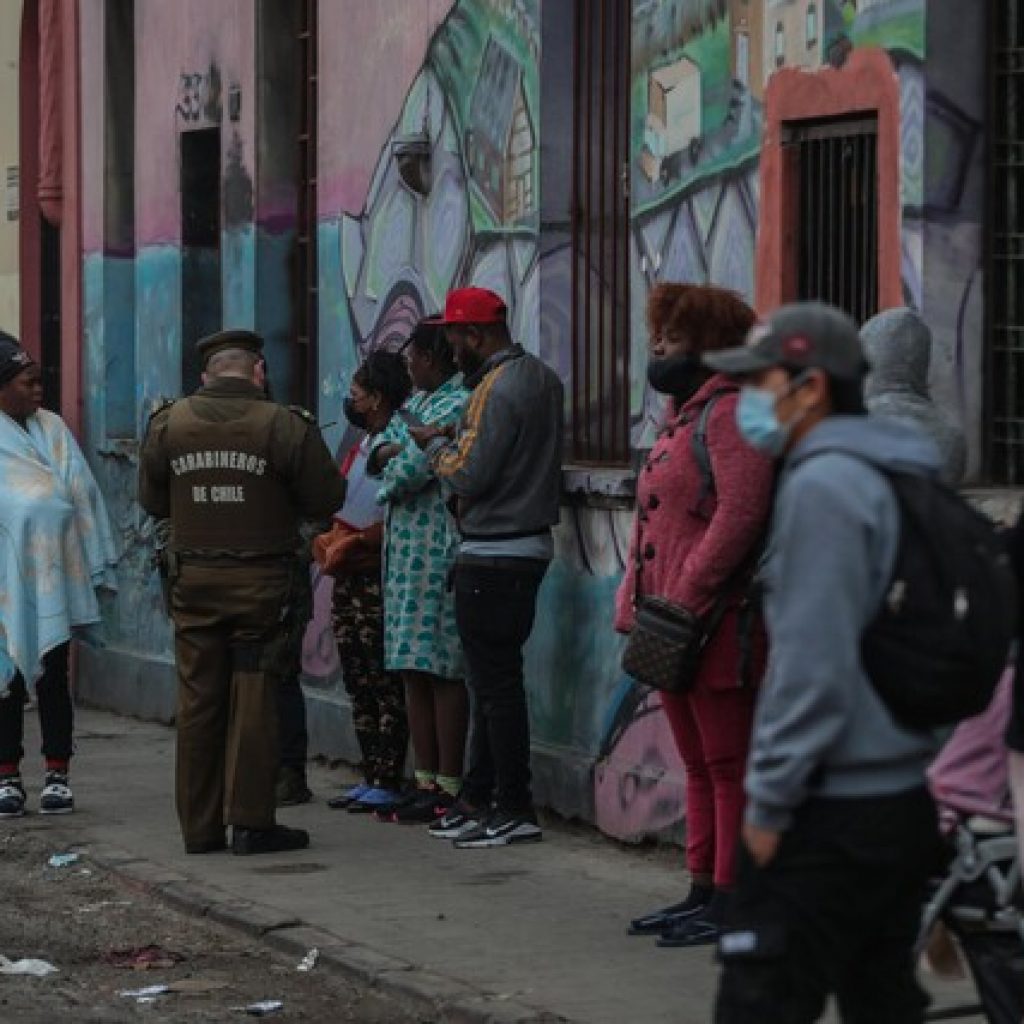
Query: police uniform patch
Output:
(303,413)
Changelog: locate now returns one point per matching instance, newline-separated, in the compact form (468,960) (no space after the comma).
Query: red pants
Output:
(712,731)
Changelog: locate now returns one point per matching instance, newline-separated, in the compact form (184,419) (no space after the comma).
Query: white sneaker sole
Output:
(488,842)
(56,810)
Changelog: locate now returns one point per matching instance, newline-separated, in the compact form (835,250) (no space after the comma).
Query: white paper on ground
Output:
(36,968)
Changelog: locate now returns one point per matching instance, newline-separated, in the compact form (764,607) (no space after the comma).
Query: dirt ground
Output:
(76,916)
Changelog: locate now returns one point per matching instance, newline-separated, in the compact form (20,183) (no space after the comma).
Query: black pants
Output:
(293,738)
(835,913)
(494,611)
(56,715)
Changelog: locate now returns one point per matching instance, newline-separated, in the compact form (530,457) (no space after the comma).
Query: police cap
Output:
(232,338)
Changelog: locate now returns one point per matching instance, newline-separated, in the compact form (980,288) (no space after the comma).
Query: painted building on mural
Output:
(216,192)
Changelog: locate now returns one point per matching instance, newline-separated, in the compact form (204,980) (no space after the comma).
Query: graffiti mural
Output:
(451,169)
(452,198)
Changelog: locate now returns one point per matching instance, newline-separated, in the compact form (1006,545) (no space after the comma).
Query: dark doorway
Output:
(304,375)
(49,318)
(119,348)
(201,298)
(600,232)
(837,200)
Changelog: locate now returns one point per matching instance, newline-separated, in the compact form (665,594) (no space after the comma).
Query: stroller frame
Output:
(979,857)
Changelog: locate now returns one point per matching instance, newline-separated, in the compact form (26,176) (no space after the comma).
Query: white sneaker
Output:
(56,797)
(500,830)
(12,797)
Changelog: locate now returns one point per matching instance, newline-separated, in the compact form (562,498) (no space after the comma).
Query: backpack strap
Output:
(702,455)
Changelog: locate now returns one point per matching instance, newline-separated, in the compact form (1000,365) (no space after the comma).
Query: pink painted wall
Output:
(185,37)
(370,53)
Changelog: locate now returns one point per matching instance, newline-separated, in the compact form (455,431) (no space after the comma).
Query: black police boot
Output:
(247,841)
(292,788)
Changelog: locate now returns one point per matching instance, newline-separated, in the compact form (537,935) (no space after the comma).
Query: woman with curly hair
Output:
(702,508)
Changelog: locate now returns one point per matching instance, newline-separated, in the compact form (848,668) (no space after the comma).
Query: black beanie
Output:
(13,358)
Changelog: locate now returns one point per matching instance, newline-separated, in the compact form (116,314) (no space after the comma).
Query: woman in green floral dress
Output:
(421,638)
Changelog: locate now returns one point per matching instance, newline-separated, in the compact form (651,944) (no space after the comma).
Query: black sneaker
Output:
(660,921)
(292,788)
(429,805)
(56,797)
(501,829)
(248,841)
(701,929)
(12,797)
(459,820)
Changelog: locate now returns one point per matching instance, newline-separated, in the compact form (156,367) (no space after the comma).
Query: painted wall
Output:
(466,77)
(190,57)
(10,34)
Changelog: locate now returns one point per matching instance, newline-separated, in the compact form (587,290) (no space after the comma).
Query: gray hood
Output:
(898,344)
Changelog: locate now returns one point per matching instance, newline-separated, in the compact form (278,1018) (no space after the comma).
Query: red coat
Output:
(688,558)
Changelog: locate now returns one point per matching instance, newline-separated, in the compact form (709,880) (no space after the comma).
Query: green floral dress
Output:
(420,545)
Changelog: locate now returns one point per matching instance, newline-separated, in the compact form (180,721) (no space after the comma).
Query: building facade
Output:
(325,172)
(10,297)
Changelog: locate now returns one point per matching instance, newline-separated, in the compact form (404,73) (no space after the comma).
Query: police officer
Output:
(235,473)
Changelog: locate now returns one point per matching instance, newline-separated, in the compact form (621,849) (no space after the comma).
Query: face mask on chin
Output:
(758,422)
(679,376)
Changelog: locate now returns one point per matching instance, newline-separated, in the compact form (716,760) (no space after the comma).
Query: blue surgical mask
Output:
(758,422)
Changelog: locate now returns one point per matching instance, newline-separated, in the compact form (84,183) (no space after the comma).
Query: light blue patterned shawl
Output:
(56,544)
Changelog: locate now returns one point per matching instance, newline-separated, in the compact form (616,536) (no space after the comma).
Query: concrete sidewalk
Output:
(524,933)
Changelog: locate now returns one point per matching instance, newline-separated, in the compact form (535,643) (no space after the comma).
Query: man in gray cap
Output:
(839,826)
(235,473)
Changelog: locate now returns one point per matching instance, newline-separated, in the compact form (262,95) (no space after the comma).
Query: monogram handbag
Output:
(664,648)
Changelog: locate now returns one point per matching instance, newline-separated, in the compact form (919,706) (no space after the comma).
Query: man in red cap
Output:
(504,468)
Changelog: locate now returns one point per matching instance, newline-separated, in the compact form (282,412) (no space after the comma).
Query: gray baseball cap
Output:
(799,336)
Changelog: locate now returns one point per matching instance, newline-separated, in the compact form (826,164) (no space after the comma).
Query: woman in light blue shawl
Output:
(56,550)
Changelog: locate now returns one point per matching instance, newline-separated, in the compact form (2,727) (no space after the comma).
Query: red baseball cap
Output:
(474,306)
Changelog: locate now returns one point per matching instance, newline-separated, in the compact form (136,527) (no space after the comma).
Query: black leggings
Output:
(56,715)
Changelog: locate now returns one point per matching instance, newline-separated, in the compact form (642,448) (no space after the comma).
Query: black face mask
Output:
(679,376)
(358,419)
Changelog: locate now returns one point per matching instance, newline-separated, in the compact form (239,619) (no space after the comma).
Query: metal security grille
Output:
(837,204)
(1005,313)
(600,232)
(306,283)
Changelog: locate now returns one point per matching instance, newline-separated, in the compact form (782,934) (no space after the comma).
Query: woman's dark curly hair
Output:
(712,317)
(429,338)
(385,374)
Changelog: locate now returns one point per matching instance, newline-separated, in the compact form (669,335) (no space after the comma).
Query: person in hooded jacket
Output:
(839,830)
(898,345)
(696,535)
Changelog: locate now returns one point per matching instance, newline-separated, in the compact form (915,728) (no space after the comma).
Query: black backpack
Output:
(941,639)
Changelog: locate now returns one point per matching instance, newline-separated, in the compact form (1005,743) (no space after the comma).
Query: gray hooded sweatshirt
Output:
(820,729)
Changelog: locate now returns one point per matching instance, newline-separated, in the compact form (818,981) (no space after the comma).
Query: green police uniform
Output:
(235,473)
